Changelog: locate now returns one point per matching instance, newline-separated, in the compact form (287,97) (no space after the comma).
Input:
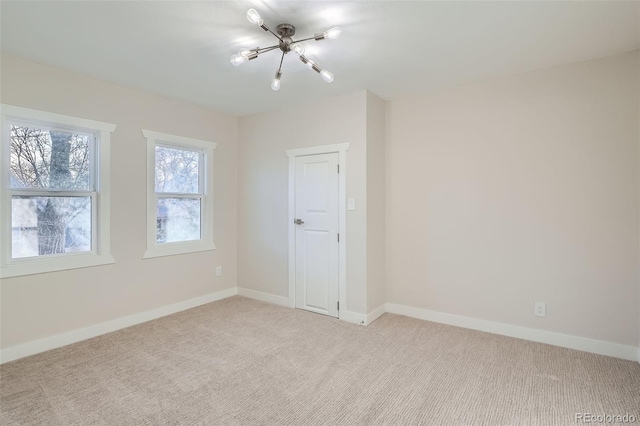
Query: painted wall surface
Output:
(517,190)
(263,189)
(376,233)
(496,195)
(38,306)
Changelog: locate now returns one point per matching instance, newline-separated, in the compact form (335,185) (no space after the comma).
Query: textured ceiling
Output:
(181,49)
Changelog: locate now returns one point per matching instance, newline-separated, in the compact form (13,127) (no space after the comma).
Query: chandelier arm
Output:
(312,66)
(278,37)
(281,59)
(304,39)
(267,49)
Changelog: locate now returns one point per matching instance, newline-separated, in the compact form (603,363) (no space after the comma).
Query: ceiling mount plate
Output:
(286,30)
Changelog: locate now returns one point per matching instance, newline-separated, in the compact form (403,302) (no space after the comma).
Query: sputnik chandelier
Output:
(286,44)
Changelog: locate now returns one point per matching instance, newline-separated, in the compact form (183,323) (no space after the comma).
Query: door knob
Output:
(298,221)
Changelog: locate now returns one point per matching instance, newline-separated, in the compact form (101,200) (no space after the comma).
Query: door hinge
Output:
(338,168)
(338,303)
(338,237)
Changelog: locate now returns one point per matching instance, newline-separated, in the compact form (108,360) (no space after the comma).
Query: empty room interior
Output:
(319,212)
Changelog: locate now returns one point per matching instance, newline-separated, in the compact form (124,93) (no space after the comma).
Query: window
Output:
(54,202)
(179,197)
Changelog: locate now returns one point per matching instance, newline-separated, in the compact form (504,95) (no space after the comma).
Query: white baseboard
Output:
(376,313)
(265,297)
(353,317)
(563,340)
(557,339)
(74,336)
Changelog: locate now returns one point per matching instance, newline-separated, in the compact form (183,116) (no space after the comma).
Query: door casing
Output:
(341,149)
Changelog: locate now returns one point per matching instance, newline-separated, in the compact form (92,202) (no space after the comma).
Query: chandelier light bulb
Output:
(327,76)
(298,48)
(275,84)
(254,17)
(333,33)
(238,59)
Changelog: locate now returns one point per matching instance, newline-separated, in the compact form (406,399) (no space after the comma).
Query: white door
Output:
(316,235)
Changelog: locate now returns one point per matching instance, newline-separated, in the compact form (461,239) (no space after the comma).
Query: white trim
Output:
(376,313)
(320,149)
(74,336)
(53,264)
(101,238)
(206,243)
(362,319)
(178,140)
(172,249)
(264,297)
(292,232)
(557,339)
(12,111)
(341,149)
(353,317)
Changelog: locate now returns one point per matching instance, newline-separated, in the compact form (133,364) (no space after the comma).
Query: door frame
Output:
(341,149)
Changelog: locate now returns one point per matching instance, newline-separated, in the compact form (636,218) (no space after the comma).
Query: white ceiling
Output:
(181,49)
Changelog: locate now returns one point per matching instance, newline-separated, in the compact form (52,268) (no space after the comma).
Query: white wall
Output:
(38,306)
(376,231)
(495,195)
(263,190)
(521,189)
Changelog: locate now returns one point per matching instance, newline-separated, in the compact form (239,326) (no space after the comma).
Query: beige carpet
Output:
(243,362)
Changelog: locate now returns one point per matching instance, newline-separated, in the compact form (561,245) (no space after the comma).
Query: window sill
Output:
(43,266)
(172,249)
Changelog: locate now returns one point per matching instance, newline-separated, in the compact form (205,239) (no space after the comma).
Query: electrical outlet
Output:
(540,309)
(218,271)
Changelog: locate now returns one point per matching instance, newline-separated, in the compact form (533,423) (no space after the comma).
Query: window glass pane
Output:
(48,159)
(50,225)
(178,219)
(177,170)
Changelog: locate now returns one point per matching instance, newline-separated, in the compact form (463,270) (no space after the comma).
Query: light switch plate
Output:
(351,204)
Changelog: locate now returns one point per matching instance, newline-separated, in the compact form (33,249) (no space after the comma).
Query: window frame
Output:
(99,193)
(206,149)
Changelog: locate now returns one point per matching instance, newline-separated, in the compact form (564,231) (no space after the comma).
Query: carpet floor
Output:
(244,362)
